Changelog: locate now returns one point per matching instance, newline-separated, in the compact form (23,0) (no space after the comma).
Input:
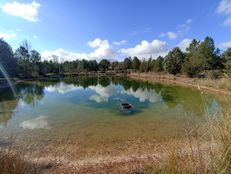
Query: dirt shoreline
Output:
(200,84)
(136,163)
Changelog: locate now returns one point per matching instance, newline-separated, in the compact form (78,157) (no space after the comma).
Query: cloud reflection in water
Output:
(35,123)
(144,95)
(102,93)
(62,88)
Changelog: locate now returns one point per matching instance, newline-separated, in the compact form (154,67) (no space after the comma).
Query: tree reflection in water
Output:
(170,96)
(28,93)
(7,104)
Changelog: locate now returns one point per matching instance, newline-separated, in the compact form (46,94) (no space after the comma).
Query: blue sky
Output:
(113,29)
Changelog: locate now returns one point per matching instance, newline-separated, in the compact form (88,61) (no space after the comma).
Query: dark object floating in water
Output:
(126,106)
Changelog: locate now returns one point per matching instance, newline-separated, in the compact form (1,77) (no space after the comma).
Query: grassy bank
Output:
(222,85)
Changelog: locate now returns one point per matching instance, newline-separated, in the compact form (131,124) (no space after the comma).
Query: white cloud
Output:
(26,11)
(62,55)
(118,43)
(35,123)
(172,35)
(102,50)
(224,8)
(184,44)
(146,49)
(8,35)
(96,43)
(225,45)
(182,29)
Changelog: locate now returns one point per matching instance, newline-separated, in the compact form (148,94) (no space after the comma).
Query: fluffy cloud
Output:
(118,43)
(180,31)
(26,11)
(146,49)
(8,35)
(224,8)
(102,50)
(184,44)
(35,123)
(225,45)
(62,55)
(96,43)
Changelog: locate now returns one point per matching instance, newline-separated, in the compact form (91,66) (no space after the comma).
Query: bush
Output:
(213,74)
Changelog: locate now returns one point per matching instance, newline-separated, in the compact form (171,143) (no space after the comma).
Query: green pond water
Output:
(82,116)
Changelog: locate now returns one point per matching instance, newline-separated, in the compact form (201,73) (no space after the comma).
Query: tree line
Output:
(201,59)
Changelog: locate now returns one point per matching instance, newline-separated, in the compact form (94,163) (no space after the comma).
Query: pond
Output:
(81,117)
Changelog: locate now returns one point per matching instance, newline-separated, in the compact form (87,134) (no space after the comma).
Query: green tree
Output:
(201,57)
(82,65)
(23,52)
(157,65)
(35,59)
(35,56)
(7,59)
(93,65)
(104,64)
(22,55)
(192,48)
(136,64)
(127,63)
(146,65)
(227,56)
(117,66)
(206,54)
(173,61)
(28,60)
(192,65)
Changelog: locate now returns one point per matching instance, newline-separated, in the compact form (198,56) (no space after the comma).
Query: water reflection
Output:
(144,94)
(35,123)
(7,105)
(105,92)
(28,94)
(62,88)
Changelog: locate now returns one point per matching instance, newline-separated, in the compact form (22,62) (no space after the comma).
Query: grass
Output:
(222,135)
(11,163)
(212,157)
(219,85)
